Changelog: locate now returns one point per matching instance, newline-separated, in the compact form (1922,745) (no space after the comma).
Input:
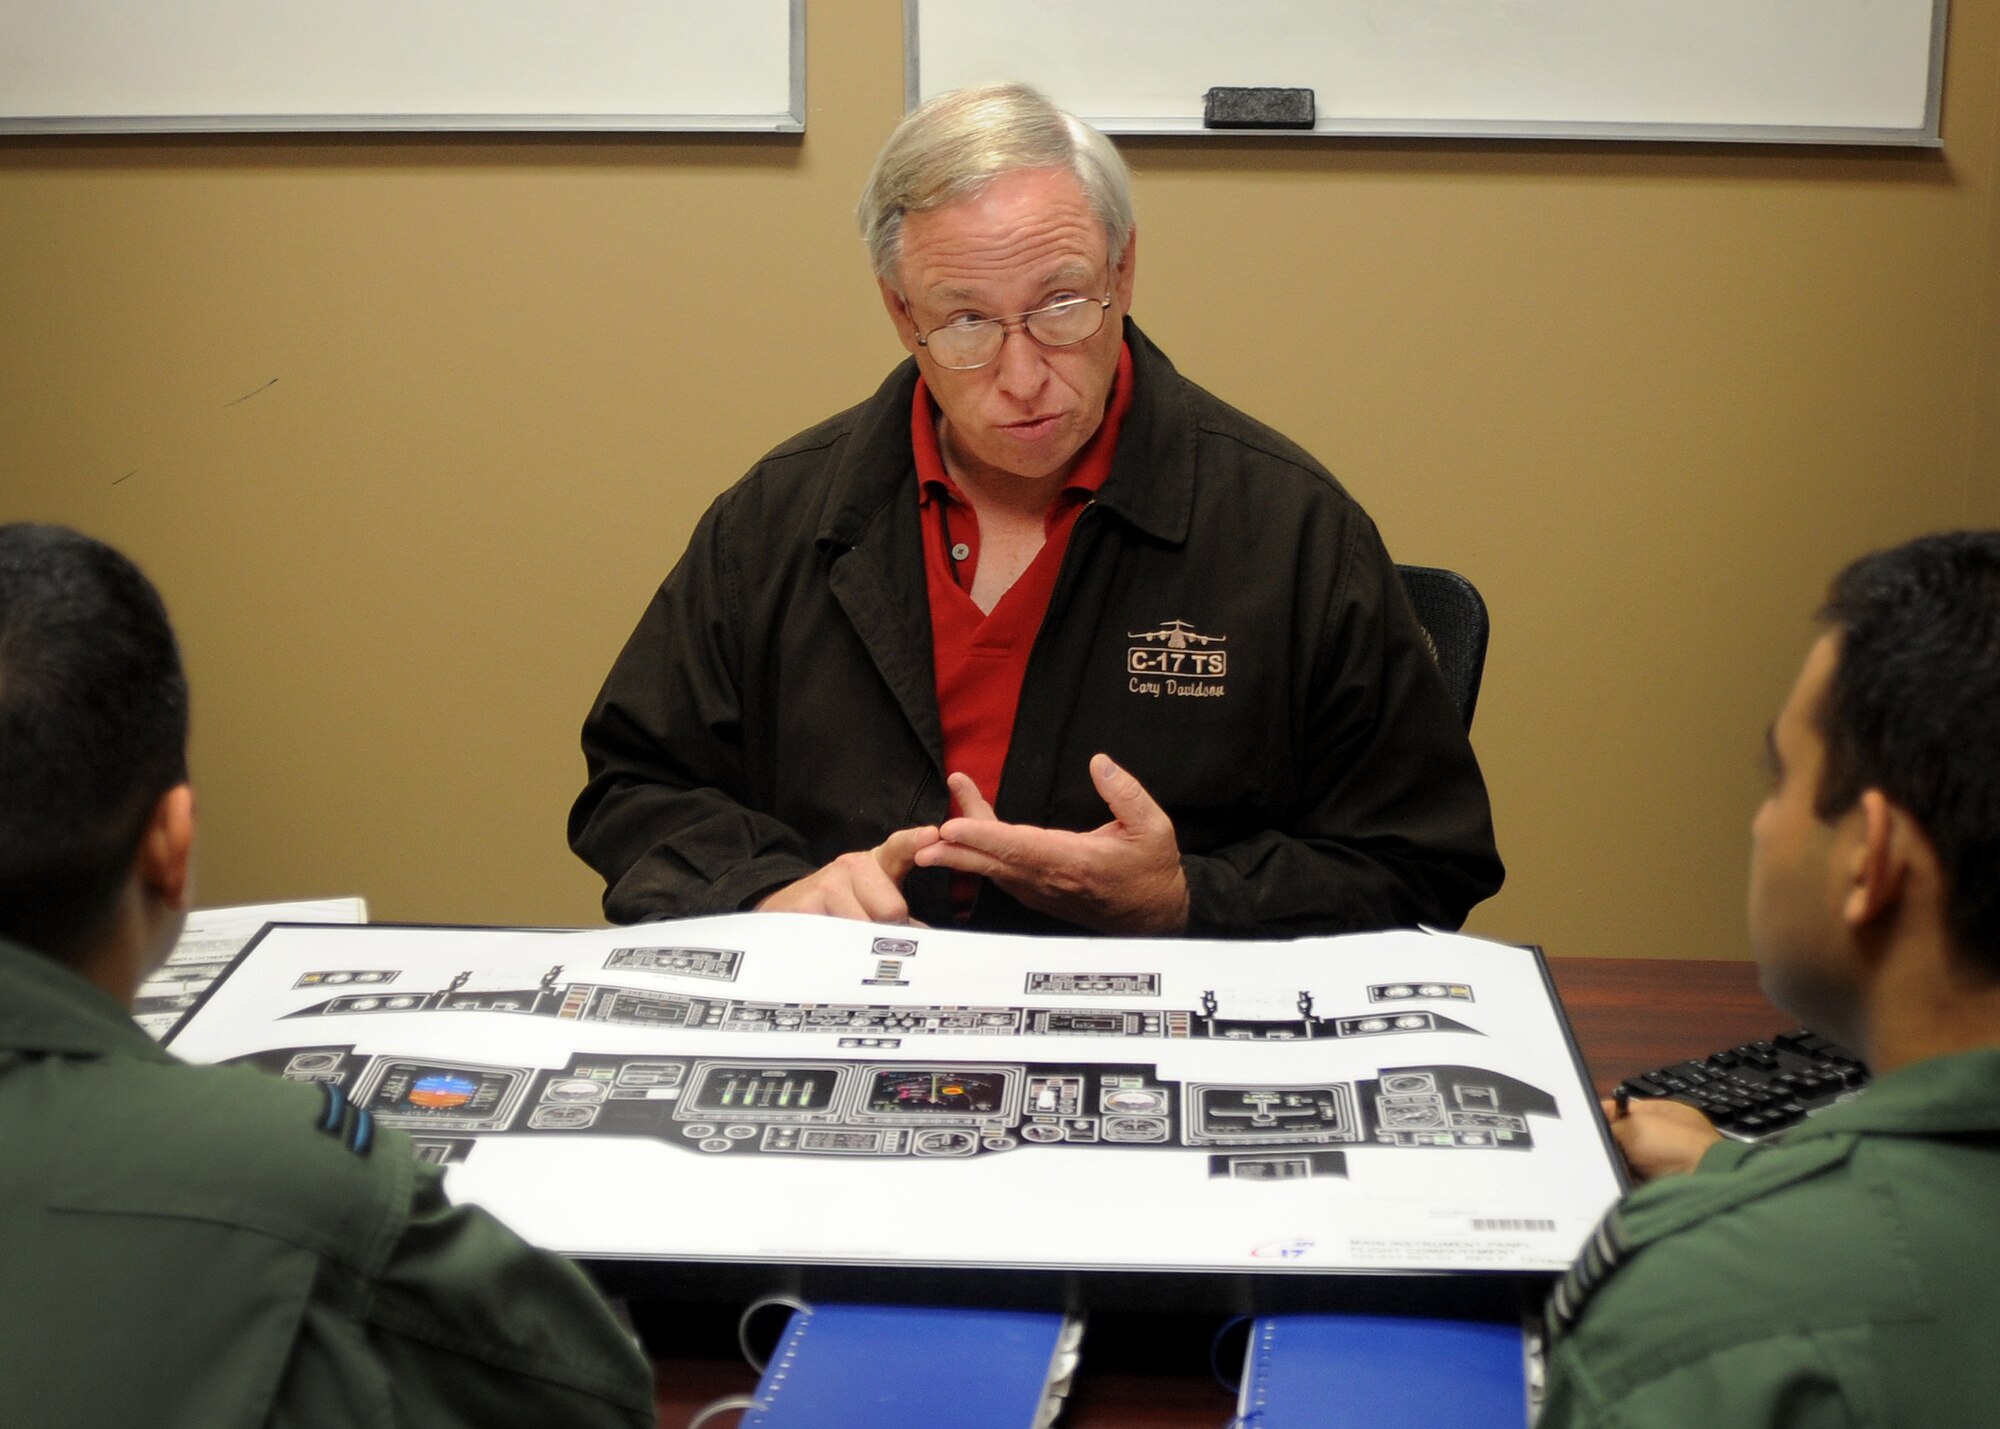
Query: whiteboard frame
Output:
(791,120)
(1928,134)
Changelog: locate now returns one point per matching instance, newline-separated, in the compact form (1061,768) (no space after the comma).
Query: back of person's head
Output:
(1913,707)
(93,730)
(949,149)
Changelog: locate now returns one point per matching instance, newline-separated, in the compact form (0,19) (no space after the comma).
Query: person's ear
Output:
(166,849)
(899,314)
(1127,270)
(1885,840)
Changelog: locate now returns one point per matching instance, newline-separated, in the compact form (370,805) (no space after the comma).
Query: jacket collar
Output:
(1151,485)
(45,1007)
(1152,476)
(1954,1094)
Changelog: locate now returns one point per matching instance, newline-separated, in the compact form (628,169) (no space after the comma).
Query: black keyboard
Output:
(1760,1089)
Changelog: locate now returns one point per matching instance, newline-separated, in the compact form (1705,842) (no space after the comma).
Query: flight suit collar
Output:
(1951,1095)
(46,1008)
(1957,1094)
(1954,1094)
(1724,1181)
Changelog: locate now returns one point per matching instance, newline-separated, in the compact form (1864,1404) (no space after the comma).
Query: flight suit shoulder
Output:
(1785,1248)
(235,1145)
(1676,1204)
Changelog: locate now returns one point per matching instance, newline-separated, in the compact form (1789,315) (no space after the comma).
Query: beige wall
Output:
(407,429)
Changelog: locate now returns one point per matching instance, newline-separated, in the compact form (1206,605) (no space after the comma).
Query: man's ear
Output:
(899,314)
(1127,271)
(166,849)
(1886,840)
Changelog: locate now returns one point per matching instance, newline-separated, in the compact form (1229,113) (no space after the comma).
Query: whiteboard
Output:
(1827,71)
(93,66)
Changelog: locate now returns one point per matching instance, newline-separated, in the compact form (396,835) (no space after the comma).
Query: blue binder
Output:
(916,1367)
(1383,1372)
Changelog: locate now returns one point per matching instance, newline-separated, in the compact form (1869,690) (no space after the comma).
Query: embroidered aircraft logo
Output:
(1177,634)
(1177,649)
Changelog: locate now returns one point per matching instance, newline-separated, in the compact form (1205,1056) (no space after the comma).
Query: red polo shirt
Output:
(980,658)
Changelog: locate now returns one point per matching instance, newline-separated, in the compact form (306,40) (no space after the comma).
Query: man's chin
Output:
(1814,1000)
(1029,460)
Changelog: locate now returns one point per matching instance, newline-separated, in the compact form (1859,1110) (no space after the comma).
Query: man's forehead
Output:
(1031,226)
(1801,711)
(1820,663)
(1069,273)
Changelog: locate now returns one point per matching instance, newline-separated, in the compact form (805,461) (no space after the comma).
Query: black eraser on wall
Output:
(1256,107)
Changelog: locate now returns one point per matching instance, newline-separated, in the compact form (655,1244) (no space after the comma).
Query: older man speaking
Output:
(1041,636)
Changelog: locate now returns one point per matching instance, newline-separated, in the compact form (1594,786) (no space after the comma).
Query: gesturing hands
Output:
(1123,876)
(867,884)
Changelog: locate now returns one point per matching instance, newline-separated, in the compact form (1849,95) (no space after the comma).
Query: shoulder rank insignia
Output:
(347,1123)
(1601,1254)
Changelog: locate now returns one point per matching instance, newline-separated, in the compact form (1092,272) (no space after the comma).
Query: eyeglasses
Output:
(966,343)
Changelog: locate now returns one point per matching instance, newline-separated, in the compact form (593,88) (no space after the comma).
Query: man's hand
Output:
(1121,877)
(1661,1137)
(867,885)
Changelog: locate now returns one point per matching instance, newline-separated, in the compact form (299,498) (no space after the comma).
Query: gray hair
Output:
(949,149)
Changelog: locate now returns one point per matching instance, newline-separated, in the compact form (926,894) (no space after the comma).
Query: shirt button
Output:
(961,551)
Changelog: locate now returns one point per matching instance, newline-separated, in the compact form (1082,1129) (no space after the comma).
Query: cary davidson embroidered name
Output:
(1176,659)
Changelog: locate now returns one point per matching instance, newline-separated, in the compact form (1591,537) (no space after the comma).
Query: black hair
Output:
(93,730)
(1913,709)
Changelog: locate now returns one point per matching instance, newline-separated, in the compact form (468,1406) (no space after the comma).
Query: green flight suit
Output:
(191,1247)
(1847,1276)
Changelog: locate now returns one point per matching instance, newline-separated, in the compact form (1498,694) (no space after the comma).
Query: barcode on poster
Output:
(1500,1225)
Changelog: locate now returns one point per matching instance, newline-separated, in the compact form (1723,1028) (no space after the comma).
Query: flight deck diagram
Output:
(764,1086)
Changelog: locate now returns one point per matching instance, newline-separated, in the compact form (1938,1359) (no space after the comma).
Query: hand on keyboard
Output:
(1759,1089)
(1661,1138)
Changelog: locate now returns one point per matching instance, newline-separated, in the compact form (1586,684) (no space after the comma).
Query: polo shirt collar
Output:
(1090,473)
(1150,486)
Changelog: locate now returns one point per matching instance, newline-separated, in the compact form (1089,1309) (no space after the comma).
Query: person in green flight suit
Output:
(1845,1275)
(194,1247)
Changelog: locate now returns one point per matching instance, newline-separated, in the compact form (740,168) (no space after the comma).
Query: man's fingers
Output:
(976,830)
(1663,1137)
(838,900)
(882,905)
(971,803)
(897,854)
(1124,795)
(866,886)
(963,858)
(1004,845)
(872,894)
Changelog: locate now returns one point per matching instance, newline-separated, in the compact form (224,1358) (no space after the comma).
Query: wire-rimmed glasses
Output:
(966,343)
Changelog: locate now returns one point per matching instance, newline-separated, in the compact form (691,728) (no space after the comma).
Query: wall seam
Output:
(1982,497)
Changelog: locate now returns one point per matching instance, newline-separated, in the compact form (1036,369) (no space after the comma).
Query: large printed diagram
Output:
(951,1107)
(780,1090)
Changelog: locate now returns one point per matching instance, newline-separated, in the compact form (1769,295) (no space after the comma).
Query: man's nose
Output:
(1022,367)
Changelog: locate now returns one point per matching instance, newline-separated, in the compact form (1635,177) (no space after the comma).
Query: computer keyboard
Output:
(1760,1089)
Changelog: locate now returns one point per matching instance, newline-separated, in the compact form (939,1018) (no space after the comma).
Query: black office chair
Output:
(1455,622)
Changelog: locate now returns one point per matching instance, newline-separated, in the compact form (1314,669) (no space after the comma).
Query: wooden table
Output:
(1629,1015)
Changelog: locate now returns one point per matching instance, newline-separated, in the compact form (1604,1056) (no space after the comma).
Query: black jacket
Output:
(1226,625)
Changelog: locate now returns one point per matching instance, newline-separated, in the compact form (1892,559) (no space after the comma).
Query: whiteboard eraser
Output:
(1256,107)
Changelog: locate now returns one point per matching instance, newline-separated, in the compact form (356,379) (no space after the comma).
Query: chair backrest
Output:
(1454,617)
